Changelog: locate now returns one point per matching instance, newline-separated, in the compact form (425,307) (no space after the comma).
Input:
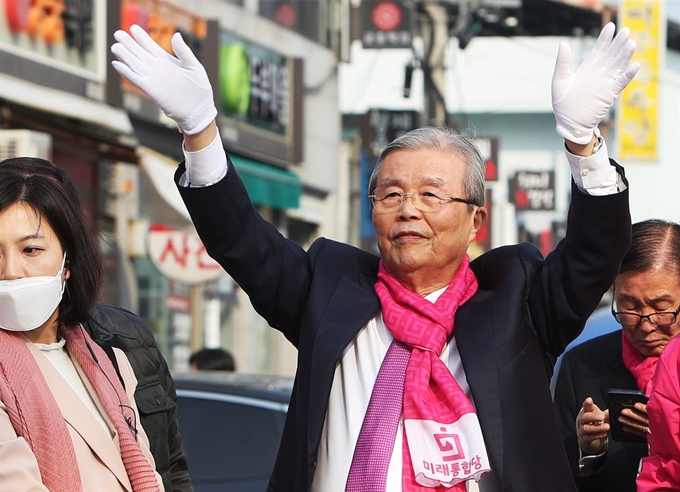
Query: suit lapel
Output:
(475,341)
(80,418)
(348,311)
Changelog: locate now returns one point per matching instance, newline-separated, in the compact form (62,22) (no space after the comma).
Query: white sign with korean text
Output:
(181,256)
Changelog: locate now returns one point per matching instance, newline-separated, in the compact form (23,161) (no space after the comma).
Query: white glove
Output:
(581,99)
(178,85)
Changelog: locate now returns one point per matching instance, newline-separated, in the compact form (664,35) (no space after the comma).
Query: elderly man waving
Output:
(417,369)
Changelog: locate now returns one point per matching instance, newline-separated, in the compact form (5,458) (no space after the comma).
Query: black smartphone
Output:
(618,400)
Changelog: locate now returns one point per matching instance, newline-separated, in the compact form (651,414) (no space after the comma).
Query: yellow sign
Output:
(637,118)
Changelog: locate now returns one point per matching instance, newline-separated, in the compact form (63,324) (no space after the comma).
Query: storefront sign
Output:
(379,127)
(533,190)
(181,256)
(386,24)
(260,95)
(254,85)
(64,34)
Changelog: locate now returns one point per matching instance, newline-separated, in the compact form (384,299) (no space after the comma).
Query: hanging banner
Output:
(637,113)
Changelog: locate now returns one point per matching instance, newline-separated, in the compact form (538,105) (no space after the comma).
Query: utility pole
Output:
(435,34)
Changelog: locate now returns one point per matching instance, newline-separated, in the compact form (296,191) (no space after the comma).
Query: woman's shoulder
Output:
(124,366)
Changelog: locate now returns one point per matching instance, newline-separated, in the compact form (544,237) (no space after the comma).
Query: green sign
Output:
(254,84)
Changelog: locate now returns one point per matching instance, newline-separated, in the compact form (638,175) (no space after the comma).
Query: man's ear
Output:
(480,217)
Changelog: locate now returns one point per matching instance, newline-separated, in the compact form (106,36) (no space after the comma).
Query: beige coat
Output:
(98,454)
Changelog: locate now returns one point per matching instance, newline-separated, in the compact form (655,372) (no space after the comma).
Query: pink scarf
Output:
(430,391)
(642,368)
(36,417)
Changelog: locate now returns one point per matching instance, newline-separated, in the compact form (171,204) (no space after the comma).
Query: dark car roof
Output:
(267,387)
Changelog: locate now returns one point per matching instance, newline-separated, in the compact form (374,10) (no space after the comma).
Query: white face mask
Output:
(26,303)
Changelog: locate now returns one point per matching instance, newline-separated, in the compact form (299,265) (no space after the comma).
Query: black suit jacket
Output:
(591,369)
(525,312)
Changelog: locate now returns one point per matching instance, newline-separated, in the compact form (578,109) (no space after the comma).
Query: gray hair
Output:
(445,139)
(655,243)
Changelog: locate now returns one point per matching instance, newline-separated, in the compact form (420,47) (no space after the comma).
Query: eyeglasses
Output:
(663,318)
(425,201)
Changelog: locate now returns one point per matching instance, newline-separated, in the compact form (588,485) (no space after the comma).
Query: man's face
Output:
(645,293)
(425,245)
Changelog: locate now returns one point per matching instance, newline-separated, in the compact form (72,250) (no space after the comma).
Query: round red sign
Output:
(286,15)
(386,16)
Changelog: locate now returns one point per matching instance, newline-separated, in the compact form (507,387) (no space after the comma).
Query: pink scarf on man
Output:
(642,368)
(430,391)
(36,417)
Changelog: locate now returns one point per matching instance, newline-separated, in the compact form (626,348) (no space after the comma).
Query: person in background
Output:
(660,471)
(212,359)
(113,327)
(417,368)
(645,302)
(68,419)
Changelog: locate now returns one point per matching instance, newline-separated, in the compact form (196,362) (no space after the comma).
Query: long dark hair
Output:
(50,192)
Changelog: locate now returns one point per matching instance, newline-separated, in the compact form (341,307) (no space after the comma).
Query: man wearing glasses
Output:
(417,368)
(646,303)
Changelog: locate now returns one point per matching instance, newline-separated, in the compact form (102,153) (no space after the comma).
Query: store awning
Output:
(63,103)
(160,170)
(268,185)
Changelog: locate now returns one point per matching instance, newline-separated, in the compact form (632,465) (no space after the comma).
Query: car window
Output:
(229,441)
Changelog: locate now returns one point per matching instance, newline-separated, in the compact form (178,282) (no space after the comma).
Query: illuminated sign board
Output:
(66,35)
(260,93)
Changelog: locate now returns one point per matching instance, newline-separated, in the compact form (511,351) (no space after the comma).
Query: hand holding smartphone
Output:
(618,400)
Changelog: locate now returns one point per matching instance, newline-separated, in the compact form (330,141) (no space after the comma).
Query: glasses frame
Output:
(374,198)
(648,317)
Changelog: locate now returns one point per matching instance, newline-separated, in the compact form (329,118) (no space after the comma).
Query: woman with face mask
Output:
(68,420)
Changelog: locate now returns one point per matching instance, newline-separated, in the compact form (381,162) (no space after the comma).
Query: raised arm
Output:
(583,266)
